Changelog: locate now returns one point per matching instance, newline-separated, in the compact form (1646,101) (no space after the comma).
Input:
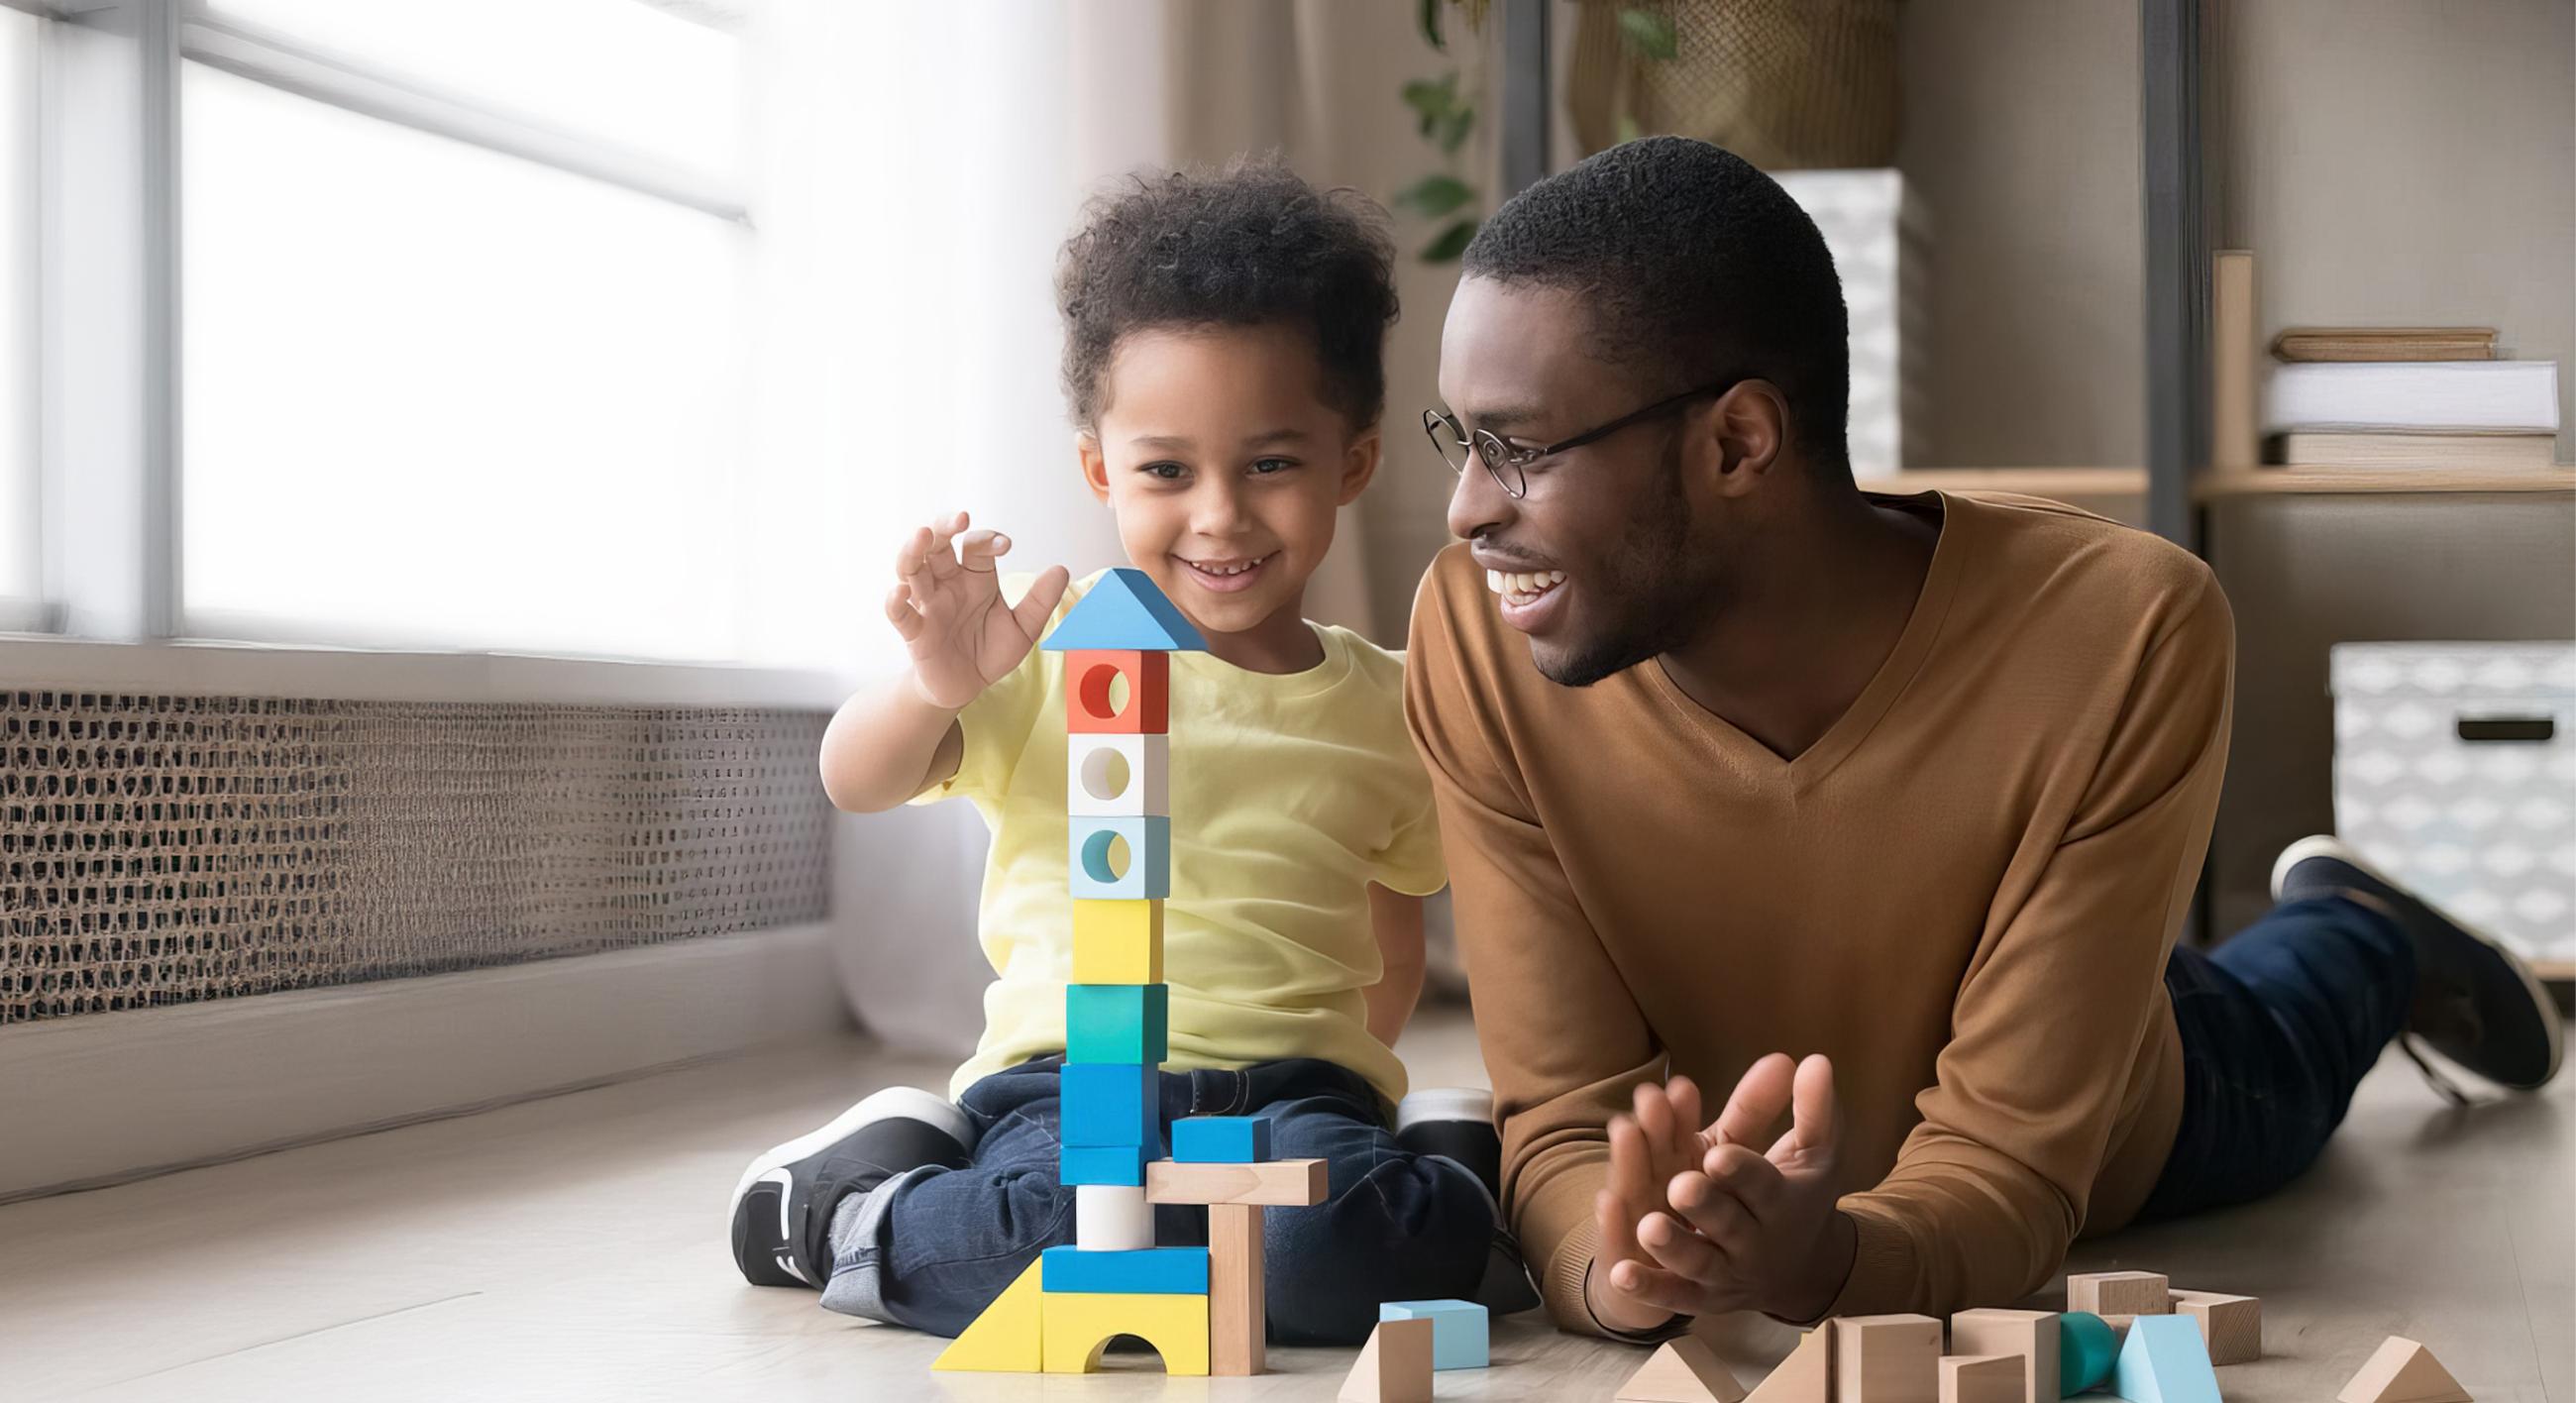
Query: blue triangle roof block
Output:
(1126,612)
(2164,1361)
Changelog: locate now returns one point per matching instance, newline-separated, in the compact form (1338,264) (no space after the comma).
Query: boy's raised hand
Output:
(949,609)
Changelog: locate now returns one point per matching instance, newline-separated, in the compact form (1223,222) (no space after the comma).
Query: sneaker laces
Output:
(2449,1090)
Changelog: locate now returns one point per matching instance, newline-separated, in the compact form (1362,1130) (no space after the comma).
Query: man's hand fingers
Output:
(1746,1177)
(1632,1174)
(1664,1290)
(1759,1098)
(1666,1134)
(1044,593)
(1813,1129)
(1714,1213)
(1674,1247)
(1688,1111)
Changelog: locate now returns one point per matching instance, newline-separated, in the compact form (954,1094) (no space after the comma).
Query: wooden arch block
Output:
(1078,1328)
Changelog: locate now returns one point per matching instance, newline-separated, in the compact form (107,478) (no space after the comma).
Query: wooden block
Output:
(1238,1307)
(2029,1335)
(1008,1338)
(1115,1023)
(1982,1378)
(2232,1326)
(2119,1326)
(2119,1293)
(1110,1103)
(1102,1164)
(1112,775)
(1393,1367)
(1077,1327)
(1458,1330)
(1118,942)
(1685,1370)
(1887,1359)
(2086,1347)
(1281,1183)
(2403,1371)
(1806,1376)
(1092,872)
(2164,1361)
(1221,1139)
(1109,1218)
(1109,692)
(1150,1271)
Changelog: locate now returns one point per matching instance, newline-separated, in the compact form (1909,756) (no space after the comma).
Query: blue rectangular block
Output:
(1090,841)
(1117,1023)
(1160,1271)
(1122,1165)
(1458,1330)
(1221,1139)
(1111,1103)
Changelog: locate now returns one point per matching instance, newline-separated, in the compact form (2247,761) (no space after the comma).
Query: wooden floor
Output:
(572,1248)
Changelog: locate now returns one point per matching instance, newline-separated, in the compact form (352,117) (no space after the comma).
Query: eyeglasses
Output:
(1507,460)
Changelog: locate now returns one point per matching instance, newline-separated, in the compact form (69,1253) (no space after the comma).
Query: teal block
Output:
(2164,1361)
(1221,1139)
(1111,1104)
(2085,1350)
(1158,1271)
(1117,1023)
(1123,1165)
(1458,1329)
(1126,610)
(1149,857)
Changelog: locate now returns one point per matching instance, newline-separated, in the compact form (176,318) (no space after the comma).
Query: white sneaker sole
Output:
(1444,1103)
(908,1101)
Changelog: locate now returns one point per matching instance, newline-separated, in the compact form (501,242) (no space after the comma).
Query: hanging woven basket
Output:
(1786,84)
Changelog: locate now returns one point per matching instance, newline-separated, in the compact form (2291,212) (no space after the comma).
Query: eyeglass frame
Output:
(1521,455)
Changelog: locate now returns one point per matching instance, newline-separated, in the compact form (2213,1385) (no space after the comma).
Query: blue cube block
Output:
(1221,1139)
(1089,841)
(1458,1330)
(1123,1165)
(1111,1103)
(1117,1023)
(1159,1271)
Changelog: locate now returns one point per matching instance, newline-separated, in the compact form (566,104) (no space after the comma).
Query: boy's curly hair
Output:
(1246,244)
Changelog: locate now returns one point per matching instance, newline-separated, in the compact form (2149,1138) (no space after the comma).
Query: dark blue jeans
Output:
(1396,1226)
(2278,1025)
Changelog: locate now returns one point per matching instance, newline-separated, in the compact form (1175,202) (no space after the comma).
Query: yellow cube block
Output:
(1079,1326)
(1118,942)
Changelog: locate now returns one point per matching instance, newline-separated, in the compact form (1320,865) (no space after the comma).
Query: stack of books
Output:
(2407,397)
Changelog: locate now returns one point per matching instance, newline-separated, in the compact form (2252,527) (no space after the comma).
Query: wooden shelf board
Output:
(2037,482)
(2269,482)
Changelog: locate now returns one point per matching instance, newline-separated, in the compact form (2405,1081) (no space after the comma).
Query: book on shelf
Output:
(2391,448)
(2385,343)
(2503,396)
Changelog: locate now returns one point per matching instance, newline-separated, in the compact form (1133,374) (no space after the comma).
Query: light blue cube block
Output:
(1117,1023)
(2164,1360)
(1458,1330)
(1088,873)
(1221,1139)
(1112,1104)
(1158,1271)
(1122,1165)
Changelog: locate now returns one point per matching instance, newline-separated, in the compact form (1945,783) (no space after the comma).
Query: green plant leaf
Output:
(1628,129)
(1427,16)
(1451,242)
(1435,195)
(1453,128)
(1650,33)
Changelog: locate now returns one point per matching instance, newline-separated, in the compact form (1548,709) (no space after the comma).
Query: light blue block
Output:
(1149,858)
(1458,1330)
(1122,1165)
(1111,1104)
(1126,610)
(1221,1139)
(1159,1271)
(2164,1361)
(1117,1023)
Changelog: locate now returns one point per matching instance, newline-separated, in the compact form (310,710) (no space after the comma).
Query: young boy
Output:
(1223,342)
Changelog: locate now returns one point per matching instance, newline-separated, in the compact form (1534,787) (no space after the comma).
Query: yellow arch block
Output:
(1079,1326)
(1006,1338)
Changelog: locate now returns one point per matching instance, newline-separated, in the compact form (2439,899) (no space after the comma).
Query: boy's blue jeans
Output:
(932,1248)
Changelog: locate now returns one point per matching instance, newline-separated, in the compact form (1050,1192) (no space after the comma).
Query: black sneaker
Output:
(1457,1124)
(2476,1002)
(782,1206)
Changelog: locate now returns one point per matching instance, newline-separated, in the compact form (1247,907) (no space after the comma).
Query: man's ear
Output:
(1095,468)
(1359,465)
(1748,433)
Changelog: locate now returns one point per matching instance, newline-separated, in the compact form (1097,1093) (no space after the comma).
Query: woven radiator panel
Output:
(159,850)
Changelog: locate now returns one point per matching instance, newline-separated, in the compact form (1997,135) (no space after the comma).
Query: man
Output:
(1735,761)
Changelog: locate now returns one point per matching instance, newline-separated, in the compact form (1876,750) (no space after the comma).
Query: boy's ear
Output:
(1095,468)
(1359,464)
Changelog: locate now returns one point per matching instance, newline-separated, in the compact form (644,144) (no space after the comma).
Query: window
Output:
(19,576)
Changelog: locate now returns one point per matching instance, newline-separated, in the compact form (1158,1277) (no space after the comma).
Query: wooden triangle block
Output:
(2403,1372)
(1806,1376)
(1683,1371)
(1394,1366)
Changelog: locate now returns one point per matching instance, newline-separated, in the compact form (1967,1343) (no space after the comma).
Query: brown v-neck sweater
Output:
(1964,893)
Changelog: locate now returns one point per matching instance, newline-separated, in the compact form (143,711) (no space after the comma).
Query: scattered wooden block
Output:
(1112,1023)
(2164,1362)
(1684,1371)
(1117,942)
(1280,1183)
(1806,1376)
(1114,775)
(1123,1165)
(1116,1104)
(1982,1378)
(1887,1359)
(1090,847)
(2119,1326)
(1458,1331)
(2403,1371)
(1008,1338)
(1112,1218)
(1393,1367)
(1076,1328)
(2109,1293)
(1093,679)
(2086,1349)
(2232,1326)
(1238,1307)
(1221,1139)
(1156,1271)
(2029,1335)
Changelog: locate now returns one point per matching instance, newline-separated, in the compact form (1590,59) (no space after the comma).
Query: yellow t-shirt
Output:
(1289,795)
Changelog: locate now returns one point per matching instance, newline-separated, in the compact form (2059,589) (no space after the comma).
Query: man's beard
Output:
(1661,594)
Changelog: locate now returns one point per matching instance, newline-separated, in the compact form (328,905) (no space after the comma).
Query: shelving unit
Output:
(2301,481)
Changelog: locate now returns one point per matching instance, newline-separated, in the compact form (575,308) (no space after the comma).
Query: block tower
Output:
(1200,1307)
